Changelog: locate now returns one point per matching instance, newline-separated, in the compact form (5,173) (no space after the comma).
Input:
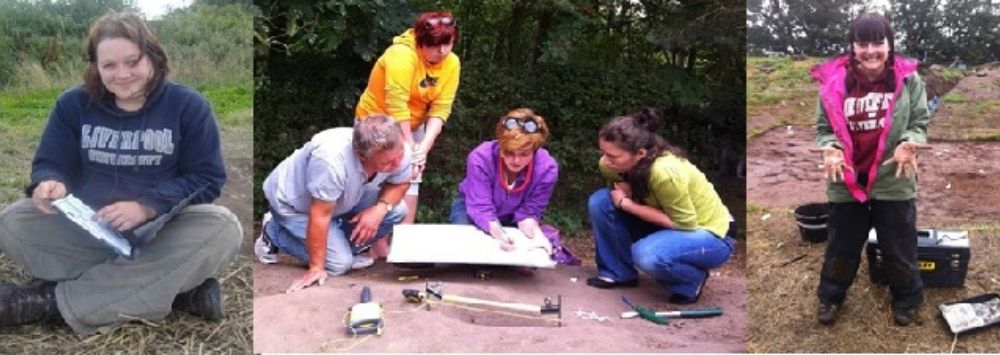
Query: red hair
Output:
(442,31)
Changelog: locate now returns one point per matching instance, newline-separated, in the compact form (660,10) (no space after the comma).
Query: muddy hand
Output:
(833,163)
(905,157)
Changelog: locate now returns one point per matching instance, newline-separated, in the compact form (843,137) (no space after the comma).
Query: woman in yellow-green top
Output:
(660,214)
(415,82)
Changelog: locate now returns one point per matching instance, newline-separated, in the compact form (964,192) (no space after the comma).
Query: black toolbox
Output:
(943,256)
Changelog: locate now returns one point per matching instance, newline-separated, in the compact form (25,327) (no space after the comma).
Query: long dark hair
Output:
(871,27)
(634,131)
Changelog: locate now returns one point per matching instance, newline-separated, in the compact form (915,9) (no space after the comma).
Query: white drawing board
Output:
(465,244)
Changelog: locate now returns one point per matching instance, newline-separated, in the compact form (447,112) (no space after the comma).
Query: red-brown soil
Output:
(312,320)
(958,188)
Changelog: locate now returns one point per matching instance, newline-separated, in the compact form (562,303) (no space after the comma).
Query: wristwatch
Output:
(388,206)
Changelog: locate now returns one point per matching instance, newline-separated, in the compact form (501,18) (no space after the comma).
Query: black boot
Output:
(204,301)
(904,316)
(28,304)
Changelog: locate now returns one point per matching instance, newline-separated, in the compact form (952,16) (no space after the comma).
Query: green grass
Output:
(789,82)
(21,122)
(986,109)
(26,106)
(232,104)
(951,75)
(954,98)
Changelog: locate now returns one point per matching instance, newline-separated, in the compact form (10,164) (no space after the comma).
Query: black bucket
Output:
(811,219)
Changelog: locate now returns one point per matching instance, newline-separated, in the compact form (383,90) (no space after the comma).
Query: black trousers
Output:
(895,223)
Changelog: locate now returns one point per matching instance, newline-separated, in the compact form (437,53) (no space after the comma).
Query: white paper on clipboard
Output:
(83,216)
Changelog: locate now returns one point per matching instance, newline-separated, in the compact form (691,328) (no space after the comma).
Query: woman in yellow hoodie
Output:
(415,82)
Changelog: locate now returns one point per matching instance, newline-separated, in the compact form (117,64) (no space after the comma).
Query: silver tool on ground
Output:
(433,293)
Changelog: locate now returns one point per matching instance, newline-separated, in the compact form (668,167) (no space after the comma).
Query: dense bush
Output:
(47,33)
(574,63)
(41,44)
(209,43)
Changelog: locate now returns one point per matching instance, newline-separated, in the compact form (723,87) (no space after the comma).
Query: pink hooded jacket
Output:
(831,76)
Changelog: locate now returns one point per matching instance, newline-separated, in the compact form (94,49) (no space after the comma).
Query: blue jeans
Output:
(678,259)
(289,234)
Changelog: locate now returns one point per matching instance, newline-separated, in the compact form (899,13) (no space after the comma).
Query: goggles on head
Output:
(528,125)
(446,21)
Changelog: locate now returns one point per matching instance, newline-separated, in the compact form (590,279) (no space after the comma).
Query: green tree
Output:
(575,62)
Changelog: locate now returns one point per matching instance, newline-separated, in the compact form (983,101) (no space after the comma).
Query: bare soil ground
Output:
(971,110)
(312,320)
(957,189)
(956,183)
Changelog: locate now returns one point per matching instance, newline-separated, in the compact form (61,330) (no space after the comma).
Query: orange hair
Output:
(517,138)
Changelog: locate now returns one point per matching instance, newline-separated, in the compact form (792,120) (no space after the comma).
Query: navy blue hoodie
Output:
(158,155)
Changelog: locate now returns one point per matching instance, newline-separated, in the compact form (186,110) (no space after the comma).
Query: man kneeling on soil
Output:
(335,197)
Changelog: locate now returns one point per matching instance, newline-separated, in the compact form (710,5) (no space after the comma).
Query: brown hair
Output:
(871,27)
(514,139)
(129,26)
(635,131)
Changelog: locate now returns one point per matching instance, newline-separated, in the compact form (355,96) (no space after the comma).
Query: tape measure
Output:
(365,317)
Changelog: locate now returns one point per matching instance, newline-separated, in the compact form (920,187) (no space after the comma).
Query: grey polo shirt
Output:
(325,168)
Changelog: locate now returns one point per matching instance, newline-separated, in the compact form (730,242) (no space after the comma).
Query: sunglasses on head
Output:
(528,125)
(445,21)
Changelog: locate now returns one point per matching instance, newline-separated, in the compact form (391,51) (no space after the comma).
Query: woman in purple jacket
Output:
(508,181)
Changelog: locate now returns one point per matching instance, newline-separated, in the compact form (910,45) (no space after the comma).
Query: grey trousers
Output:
(96,289)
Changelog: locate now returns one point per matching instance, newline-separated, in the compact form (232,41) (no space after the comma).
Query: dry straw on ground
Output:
(784,273)
(178,333)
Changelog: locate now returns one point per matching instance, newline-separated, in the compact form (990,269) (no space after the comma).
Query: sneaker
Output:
(266,252)
(602,282)
(904,316)
(204,301)
(361,262)
(827,314)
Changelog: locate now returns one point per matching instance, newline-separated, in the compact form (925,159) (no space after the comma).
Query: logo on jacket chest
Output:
(428,81)
(126,147)
(867,113)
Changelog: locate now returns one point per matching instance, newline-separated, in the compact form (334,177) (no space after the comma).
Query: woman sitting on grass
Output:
(143,152)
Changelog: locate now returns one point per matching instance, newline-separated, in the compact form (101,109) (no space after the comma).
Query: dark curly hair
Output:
(634,131)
